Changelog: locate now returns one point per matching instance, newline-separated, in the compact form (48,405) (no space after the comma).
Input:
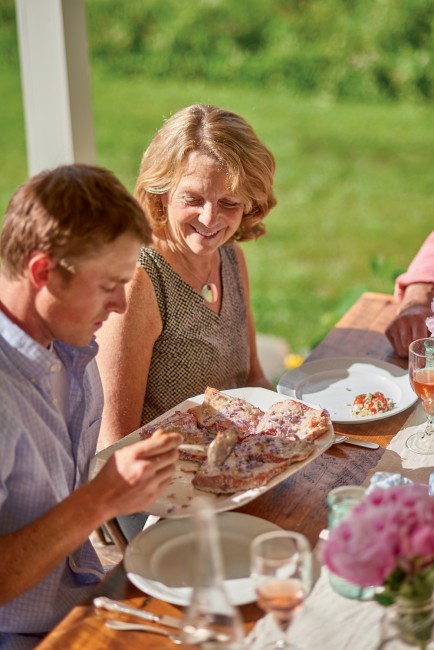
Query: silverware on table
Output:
(202,635)
(354,441)
(101,602)
(140,627)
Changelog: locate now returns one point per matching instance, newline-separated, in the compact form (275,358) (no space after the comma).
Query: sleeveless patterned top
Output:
(197,347)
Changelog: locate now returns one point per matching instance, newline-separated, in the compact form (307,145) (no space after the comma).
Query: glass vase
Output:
(210,621)
(408,624)
(340,500)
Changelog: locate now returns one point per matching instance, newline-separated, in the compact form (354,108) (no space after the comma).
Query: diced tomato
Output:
(380,400)
(373,402)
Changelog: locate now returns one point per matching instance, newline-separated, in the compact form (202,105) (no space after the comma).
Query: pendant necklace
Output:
(208,291)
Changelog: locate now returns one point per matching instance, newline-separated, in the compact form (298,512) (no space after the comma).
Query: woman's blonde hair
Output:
(229,139)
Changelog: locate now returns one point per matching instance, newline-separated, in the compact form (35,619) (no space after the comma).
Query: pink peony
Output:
(430,324)
(430,321)
(389,529)
(422,542)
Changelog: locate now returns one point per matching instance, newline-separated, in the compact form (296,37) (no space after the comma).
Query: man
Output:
(69,244)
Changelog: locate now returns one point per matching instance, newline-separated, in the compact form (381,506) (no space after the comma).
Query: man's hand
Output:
(135,475)
(129,482)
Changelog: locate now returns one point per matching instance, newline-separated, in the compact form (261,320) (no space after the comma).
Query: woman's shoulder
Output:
(156,265)
(149,257)
(233,252)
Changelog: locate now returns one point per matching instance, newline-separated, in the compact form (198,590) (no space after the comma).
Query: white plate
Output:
(175,500)
(159,560)
(334,383)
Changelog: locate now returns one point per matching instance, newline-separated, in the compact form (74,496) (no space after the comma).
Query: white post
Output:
(56,82)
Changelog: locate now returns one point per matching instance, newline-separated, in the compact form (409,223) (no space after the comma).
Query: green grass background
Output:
(354,183)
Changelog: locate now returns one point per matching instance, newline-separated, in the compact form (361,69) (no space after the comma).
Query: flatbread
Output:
(196,440)
(237,445)
(292,419)
(253,462)
(219,411)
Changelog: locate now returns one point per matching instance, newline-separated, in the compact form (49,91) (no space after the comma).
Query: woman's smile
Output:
(207,234)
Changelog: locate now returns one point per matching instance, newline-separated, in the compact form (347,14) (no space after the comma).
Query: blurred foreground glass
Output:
(421,374)
(281,569)
(211,621)
(340,500)
(408,625)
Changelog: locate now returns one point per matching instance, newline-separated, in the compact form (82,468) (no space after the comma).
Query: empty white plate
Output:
(159,560)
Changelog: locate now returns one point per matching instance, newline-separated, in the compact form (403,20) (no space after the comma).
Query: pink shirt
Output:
(421,268)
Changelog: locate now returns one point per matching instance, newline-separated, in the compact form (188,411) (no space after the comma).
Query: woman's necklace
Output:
(208,291)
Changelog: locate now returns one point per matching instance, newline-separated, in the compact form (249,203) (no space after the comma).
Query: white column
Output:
(55,82)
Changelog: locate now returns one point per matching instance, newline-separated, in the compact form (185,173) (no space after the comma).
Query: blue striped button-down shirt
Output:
(42,459)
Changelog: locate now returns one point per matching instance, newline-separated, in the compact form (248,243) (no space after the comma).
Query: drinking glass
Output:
(421,373)
(281,570)
(340,501)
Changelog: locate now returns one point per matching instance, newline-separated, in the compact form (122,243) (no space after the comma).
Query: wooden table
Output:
(299,503)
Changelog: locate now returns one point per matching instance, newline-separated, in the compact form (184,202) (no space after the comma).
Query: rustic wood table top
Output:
(298,503)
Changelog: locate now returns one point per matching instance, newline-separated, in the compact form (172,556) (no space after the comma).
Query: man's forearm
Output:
(31,553)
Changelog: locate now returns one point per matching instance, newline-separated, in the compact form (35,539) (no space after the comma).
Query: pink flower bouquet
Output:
(430,325)
(430,321)
(387,540)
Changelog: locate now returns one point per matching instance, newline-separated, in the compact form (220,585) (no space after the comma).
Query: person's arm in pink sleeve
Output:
(414,291)
(420,270)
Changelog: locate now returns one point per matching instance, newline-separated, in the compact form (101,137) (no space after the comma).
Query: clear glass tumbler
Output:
(340,500)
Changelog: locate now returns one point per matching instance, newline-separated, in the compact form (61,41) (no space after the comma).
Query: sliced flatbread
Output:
(219,411)
(253,463)
(292,419)
(196,440)
(272,449)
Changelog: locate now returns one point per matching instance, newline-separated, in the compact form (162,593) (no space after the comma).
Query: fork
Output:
(202,635)
(141,627)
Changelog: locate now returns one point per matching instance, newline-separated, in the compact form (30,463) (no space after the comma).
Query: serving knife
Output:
(102,602)
(354,441)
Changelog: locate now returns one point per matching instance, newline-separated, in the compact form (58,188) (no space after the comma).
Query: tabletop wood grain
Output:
(298,503)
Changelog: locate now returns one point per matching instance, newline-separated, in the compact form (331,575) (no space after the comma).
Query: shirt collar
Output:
(32,359)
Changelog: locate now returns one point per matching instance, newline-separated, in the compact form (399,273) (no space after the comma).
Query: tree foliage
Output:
(341,48)
(360,49)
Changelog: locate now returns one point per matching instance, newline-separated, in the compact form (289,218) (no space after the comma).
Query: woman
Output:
(205,182)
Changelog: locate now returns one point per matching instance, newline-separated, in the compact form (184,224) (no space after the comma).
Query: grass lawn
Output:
(354,183)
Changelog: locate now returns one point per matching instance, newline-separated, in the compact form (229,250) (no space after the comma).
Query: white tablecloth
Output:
(329,621)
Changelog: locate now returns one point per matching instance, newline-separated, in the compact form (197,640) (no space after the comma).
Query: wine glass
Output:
(281,570)
(421,373)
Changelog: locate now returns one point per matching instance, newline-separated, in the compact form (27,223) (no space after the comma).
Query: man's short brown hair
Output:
(68,212)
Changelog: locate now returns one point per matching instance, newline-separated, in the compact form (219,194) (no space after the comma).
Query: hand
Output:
(407,326)
(135,475)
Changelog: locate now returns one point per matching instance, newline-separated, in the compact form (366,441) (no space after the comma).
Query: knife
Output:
(354,441)
(101,602)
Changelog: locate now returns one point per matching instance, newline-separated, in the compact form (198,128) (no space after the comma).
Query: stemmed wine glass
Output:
(421,373)
(281,570)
